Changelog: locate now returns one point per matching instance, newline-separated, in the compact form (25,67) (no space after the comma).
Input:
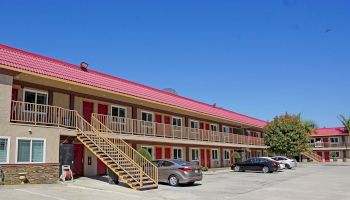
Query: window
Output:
(226,130)
(334,140)
(213,127)
(226,154)
(147,116)
(195,154)
(4,149)
(149,149)
(167,164)
(214,154)
(30,150)
(177,153)
(33,96)
(337,154)
(177,121)
(194,124)
(118,111)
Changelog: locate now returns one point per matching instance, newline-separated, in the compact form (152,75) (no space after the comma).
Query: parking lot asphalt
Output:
(310,181)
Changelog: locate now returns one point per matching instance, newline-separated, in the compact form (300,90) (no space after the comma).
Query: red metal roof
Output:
(35,63)
(322,132)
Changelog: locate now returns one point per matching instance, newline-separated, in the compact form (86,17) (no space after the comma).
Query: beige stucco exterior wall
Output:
(60,100)
(90,170)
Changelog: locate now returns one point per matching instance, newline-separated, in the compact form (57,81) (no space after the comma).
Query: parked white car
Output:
(289,163)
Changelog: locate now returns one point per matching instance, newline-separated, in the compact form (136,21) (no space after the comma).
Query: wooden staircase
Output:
(131,167)
(313,156)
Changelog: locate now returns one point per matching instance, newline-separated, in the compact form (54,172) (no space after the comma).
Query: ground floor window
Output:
(335,154)
(149,149)
(177,153)
(30,150)
(226,154)
(195,154)
(214,154)
(4,149)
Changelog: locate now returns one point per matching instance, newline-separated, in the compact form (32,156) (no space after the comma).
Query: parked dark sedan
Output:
(266,165)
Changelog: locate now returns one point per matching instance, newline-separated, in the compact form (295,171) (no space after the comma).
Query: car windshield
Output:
(182,163)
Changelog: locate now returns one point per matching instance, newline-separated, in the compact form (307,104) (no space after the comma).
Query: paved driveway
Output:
(313,181)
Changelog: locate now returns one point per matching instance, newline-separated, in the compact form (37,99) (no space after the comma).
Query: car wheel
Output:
(173,181)
(288,166)
(237,169)
(265,169)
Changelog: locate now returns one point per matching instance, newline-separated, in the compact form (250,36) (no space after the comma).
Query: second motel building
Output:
(169,126)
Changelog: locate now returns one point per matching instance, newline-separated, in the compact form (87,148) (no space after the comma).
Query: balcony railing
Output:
(328,145)
(138,127)
(38,114)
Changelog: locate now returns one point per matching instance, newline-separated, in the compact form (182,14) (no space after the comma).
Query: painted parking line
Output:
(40,194)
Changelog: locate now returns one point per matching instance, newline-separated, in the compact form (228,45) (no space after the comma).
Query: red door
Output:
(208,158)
(326,156)
(166,120)
(88,109)
(203,157)
(159,153)
(201,125)
(102,109)
(78,168)
(167,153)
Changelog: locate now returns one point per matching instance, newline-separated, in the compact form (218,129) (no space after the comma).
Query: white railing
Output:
(140,127)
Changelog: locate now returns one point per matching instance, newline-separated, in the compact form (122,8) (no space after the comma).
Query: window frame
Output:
(7,150)
(30,150)
(147,124)
(36,91)
(173,153)
(214,125)
(337,138)
(217,154)
(229,154)
(199,155)
(195,121)
(115,119)
(226,128)
(149,147)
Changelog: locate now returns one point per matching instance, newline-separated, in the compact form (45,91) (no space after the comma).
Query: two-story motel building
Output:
(44,103)
(328,141)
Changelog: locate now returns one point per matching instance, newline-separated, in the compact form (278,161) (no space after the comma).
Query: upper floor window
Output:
(147,116)
(213,127)
(334,140)
(35,96)
(30,150)
(177,121)
(118,111)
(4,149)
(226,130)
(194,124)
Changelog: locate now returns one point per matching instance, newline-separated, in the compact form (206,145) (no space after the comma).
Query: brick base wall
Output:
(36,173)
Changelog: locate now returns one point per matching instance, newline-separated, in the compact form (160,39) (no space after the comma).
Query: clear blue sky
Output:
(260,58)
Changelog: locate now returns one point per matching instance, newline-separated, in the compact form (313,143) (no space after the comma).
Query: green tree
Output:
(345,121)
(287,135)
(310,125)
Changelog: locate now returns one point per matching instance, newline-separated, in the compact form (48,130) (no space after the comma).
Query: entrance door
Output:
(167,153)
(102,109)
(78,168)
(88,109)
(326,156)
(208,158)
(159,153)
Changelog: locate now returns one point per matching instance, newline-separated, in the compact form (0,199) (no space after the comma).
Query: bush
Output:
(145,154)
(204,169)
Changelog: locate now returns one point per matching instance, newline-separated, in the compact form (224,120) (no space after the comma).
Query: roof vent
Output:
(171,90)
(84,65)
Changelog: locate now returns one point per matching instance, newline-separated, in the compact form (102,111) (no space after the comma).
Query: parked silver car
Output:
(290,163)
(177,172)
